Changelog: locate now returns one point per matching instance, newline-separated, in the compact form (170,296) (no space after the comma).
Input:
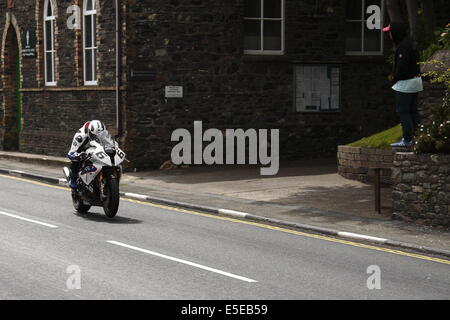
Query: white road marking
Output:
(183,261)
(26,219)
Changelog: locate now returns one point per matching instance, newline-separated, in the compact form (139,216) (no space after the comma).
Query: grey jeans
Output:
(406,107)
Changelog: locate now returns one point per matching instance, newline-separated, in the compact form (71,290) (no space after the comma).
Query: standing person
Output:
(407,82)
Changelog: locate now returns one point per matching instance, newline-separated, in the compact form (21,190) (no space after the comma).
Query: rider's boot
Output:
(73,181)
(74,169)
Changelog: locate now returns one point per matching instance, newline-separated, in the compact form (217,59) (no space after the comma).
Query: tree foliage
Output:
(442,36)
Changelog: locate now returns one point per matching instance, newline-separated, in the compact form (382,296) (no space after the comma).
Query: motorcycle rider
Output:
(80,144)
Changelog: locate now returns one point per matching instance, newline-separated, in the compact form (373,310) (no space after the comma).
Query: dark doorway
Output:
(12,109)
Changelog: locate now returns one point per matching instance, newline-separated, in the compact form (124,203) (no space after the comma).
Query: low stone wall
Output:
(355,163)
(421,190)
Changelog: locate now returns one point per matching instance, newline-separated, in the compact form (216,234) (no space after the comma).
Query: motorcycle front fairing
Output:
(96,162)
(104,152)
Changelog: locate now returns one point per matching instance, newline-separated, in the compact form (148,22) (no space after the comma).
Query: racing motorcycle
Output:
(99,176)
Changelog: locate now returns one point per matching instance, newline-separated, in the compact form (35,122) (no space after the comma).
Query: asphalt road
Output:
(155,252)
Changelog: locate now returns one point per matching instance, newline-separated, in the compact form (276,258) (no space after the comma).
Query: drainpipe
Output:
(119,124)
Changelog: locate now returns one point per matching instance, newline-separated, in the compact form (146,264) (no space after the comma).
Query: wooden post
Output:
(377,186)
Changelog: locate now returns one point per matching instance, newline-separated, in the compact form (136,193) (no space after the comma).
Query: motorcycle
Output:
(99,177)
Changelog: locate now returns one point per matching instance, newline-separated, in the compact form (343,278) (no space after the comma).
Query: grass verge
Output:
(381,140)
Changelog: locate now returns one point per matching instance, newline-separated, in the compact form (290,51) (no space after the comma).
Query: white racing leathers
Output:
(79,142)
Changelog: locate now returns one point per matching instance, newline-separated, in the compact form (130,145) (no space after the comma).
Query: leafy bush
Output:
(441,74)
(435,137)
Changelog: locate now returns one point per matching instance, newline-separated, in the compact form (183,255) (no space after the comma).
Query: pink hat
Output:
(387,29)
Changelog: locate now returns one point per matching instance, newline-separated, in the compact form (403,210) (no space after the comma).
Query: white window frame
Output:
(52,50)
(262,19)
(363,29)
(90,14)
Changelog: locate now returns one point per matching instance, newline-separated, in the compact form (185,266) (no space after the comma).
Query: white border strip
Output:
(17,173)
(182,261)
(28,220)
(233,213)
(135,196)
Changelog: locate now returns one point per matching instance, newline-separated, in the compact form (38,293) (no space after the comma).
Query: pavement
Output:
(307,195)
(48,251)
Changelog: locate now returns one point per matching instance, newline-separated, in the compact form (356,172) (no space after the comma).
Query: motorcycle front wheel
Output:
(112,197)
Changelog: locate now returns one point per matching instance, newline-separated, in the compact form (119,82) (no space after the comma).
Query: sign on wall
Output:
(142,75)
(29,44)
(174,92)
(317,88)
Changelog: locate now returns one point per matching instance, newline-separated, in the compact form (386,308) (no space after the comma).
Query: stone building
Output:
(311,68)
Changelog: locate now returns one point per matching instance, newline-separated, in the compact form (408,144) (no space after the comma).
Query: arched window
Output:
(90,42)
(49,43)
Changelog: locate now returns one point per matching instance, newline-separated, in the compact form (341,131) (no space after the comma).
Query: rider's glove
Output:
(75,156)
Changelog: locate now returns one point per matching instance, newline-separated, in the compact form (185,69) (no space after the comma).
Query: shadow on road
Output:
(100,217)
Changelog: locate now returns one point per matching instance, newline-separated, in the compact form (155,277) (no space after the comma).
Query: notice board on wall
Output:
(317,88)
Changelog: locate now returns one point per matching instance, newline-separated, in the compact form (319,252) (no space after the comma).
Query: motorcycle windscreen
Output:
(104,139)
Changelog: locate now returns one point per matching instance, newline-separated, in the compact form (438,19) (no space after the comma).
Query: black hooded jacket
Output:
(406,54)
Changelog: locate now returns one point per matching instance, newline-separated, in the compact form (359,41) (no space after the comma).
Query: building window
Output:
(360,40)
(90,42)
(264,27)
(49,43)
(317,88)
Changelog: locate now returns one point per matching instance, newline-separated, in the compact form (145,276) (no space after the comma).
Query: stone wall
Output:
(51,115)
(199,45)
(356,163)
(49,129)
(422,188)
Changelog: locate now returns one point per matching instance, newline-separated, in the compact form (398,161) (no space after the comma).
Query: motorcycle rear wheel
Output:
(78,204)
(111,203)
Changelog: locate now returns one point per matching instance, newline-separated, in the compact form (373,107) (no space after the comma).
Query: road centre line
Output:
(28,220)
(231,275)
